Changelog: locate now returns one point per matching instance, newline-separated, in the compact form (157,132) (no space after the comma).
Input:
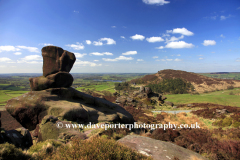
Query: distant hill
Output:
(201,83)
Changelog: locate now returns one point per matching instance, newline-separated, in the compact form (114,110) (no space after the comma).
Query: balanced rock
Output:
(56,59)
(57,64)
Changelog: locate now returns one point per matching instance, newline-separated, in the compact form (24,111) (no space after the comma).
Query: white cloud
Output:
(33,62)
(86,63)
(225,17)
(88,42)
(130,53)
(222,36)
(76,46)
(46,44)
(113,26)
(169,59)
(178,55)
(79,55)
(109,41)
(177,60)
(157,2)
(238,60)
(32,57)
(212,52)
(154,39)
(173,38)
(124,58)
(209,42)
(17,53)
(118,58)
(211,17)
(200,55)
(76,11)
(161,47)
(8,48)
(179,44)
(138,37)
(101,54)
(5,59)
(165,35)
(95,60)
(30,49)
(182,31)
(139,60)
(109,60)
(155,57)
(123,37)
(200,58)
(97,43)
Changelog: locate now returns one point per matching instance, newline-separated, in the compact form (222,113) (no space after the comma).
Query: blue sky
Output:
(122,36)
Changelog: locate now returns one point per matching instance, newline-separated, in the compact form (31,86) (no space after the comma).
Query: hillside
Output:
(201,83)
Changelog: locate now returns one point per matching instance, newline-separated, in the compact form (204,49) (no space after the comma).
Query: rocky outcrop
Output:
(64,103)
(52,128)
(57,64)
(158,149)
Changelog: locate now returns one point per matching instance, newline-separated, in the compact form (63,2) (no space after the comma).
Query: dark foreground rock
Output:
(20,137)
(65,103)
(159,150)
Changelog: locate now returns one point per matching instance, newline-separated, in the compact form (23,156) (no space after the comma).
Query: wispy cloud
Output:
(200,58)
(113,26)
(86,63)
(179,44)
(110,41)
(30,49)
(178,55)
(8,48)
(138,37)
(79,55)
(118,58)
(17,53)
(209,43)
(130,53)
(238,60)
(182,31)
(101,54)
(46,44)
(5,59)
(97,43)
(225,17)
(122,37)
(155,57)
(76,11)
(156,2)
(222,36)
(139,60)
(173,38)
(154,39)
(77,46)
(177,60)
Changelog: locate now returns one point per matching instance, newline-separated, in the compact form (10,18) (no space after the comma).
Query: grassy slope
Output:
(217,97)
(102,87)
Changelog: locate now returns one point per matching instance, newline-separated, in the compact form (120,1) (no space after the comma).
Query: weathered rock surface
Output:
(64,103)
(159,150)
(20,137)
(52,128)
(59,79)
(56,59)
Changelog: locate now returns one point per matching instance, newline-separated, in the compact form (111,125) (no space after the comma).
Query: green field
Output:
(228,75)
(217,97)
(99,87)
(5,95)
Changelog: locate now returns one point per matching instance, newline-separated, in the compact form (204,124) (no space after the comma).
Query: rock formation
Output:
(52,95)
(57,64)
